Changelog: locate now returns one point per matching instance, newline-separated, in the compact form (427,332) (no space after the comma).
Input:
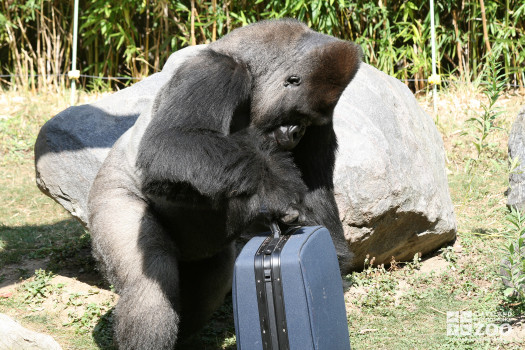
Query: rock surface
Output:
(516,194)
(71,147)
(516,191)
(390,179)
(15,337)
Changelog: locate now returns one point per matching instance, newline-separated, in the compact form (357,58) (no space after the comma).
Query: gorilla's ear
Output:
(210,91)
(337,63)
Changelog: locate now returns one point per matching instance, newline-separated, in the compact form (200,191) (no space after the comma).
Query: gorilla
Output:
(243,127)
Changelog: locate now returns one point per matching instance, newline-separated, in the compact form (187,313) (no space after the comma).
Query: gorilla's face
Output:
(305,90)
(297,75)
(307,93)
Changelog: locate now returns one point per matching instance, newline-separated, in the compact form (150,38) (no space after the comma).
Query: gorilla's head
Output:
(297,75)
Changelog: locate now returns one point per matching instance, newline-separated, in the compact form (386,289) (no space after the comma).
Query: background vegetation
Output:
(133,38)
(48,279)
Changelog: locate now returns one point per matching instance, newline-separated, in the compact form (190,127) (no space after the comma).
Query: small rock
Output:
(15,337)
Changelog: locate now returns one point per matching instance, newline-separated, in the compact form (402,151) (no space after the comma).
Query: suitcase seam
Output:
(304,285)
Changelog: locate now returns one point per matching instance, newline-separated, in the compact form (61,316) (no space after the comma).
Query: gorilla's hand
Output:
(268,183)
(292,216)
(282,189)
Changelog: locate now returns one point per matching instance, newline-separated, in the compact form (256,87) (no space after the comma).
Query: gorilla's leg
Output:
(204,284)
(140,260)
(145,317)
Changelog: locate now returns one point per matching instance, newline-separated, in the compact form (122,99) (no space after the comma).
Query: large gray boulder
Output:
(390,179)
(516,191)
(15,337)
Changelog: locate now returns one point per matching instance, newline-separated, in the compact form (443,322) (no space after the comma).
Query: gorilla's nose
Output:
(288,136)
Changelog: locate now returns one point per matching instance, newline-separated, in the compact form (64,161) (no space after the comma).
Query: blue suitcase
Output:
(288,293)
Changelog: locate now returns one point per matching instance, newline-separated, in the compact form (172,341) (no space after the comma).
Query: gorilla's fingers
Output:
(291,216)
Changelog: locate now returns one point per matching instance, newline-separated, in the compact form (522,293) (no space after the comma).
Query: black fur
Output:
(207,164)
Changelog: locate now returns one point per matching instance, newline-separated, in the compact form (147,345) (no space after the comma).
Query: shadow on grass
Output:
(481,231)
(65,246)
(103,331)
(218,334)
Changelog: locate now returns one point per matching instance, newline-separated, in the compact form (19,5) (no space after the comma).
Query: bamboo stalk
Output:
(405,72)
(32,72)
(416,75)
(433,38)
(166,26)
(473,53)
(157,52)
(39,34)
(203,34)
(192,28)
(226,6)
(15,53)
(484,22)
(146,50)
(458,43)
(73,97)
(25,71)
(56,44)
(214,28)
(27,41)
(45,58)
(448,58)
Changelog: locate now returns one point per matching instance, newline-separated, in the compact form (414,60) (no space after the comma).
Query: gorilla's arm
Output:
(192,139)
(218,166)
(315,156)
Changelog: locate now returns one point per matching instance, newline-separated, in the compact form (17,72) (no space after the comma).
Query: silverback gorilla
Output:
(244,124)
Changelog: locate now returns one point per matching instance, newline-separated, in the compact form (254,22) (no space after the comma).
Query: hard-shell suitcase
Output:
(288,293)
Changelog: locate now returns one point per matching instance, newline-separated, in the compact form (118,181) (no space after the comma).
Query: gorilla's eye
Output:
(293,80)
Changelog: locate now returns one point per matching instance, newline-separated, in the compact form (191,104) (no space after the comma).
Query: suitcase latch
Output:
(267,275)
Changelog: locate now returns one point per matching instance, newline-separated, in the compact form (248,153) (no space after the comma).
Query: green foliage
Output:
(86,321)
(485,122)
(449,255)
(515,223)
(416,262)
(39,288)
(513,265)
(380,286)
(135,37)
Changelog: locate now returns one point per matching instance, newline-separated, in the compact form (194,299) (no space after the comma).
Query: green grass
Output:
(401,307)
(417,318)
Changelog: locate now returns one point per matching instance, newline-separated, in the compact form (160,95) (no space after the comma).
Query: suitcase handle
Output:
(274,225)
(276,230)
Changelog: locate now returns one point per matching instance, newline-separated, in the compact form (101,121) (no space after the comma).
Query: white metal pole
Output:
(73,74)
(433,38)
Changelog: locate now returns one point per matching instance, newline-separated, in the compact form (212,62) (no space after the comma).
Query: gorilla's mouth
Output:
(288,136)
